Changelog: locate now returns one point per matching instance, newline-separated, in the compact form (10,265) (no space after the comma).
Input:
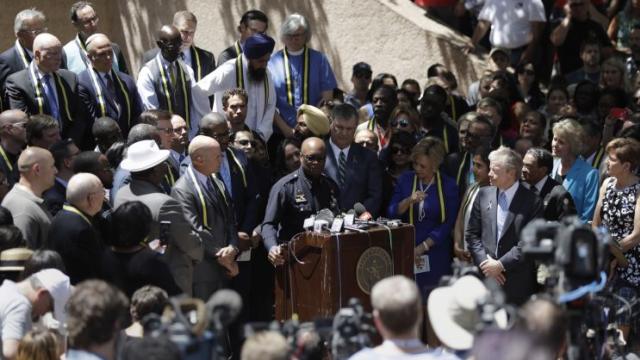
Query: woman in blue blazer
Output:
(579,178)
(428,199)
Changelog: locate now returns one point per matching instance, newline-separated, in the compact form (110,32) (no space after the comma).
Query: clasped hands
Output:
(493,268)
(226,257)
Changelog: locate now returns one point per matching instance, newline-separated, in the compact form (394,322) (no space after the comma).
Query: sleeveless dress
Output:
(618,210)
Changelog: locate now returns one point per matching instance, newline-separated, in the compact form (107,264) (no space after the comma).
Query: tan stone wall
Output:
(392,35)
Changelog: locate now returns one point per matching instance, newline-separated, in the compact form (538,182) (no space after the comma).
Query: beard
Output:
(257,74)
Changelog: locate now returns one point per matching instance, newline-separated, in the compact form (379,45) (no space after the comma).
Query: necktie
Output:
(51,98)
(225,173)
(110,87)
(342,168)
(534,189)
(218,192)
(172,74)
(503,208)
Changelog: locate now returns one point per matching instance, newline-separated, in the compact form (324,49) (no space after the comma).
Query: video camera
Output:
(349,331)
(572,252)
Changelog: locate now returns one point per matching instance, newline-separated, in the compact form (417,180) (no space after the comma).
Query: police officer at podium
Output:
(297,196)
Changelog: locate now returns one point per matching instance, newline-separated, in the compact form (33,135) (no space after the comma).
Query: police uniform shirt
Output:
(292,199)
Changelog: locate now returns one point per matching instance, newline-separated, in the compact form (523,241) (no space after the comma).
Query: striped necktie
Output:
(342,168)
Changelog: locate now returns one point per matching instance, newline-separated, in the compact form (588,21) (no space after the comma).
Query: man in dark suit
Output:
(459,164)
(556,200)
(44,88)
(85,19)
(106,92)
(73,233)
(200,60)
(208,208)
(499,214)
(145,162)
(355,169)
(28,24)
(13,138)
(64,152)
(251,22)
(165,81)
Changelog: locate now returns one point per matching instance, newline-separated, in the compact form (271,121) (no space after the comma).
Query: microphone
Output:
(223,307)
(361,212)
(324,219)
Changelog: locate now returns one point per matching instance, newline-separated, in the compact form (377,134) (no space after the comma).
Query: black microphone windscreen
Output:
(325,214)
(359,209)
(224,306)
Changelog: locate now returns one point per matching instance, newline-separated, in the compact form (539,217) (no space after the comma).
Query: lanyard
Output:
(169,176)
(37,84)
(205,220)
(445,138)
(23,54)
(238,48)
(100,96)
(83,52)
(72,209)
(305,77)
(440,197)
(597,158)
(240,79)
(235,159)
(462,166)
(165,87)
(6,159)
(198,67)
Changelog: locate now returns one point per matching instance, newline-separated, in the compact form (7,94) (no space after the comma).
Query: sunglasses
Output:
(368,144)
(403,123)
(400,150)
(313,158)
(245,142)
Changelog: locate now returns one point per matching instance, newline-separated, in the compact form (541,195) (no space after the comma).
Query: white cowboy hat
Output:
(143,155)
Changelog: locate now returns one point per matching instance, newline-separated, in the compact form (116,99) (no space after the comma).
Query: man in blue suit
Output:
(355,169)
(106,92)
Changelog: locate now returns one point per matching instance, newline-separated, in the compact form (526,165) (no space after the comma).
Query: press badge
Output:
(424,267)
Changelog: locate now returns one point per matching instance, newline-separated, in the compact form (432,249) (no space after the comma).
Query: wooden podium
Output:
(323,271)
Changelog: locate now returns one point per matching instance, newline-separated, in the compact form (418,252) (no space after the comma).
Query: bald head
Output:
(169,42)
(205,154)
(37,169)
(47,52)
(212,119)
(44,41)
(80,190)
(313,143)
(12,127)
(95,41)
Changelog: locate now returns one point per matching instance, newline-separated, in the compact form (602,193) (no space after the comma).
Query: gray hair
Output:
(25,15)
(508,158)
(292,23)
(572,132)
(398,303)
(80,186)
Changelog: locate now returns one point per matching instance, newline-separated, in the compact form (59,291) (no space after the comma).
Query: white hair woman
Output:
(569,169)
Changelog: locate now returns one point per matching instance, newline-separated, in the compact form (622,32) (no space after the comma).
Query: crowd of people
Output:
(193,176)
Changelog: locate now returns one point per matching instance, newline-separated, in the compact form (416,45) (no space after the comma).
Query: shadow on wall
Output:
(277,10)
(138,22)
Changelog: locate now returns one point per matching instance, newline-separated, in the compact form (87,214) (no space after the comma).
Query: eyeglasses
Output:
(313,158)
(403,123)
(34,32)
(368,144)
(399,150)
(245,142)
(224,135)
(167,130)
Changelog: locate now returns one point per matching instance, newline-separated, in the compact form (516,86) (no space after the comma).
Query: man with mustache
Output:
(254,78)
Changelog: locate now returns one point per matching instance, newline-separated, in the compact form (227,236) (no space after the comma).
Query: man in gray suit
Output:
(208,208)
(145,161)
(499,214)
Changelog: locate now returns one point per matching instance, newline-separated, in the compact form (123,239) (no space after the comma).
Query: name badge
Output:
(300,198)
(424,267)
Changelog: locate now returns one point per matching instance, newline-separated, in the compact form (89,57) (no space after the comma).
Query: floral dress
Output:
(618,210)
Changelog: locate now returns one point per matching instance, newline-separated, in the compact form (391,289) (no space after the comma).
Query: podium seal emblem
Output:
(373,265)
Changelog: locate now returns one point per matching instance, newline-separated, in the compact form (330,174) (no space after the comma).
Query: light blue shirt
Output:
(225,173)
(502,212)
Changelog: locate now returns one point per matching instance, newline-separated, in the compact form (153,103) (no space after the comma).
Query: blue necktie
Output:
(51,98)
(342,168)
(226,174)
